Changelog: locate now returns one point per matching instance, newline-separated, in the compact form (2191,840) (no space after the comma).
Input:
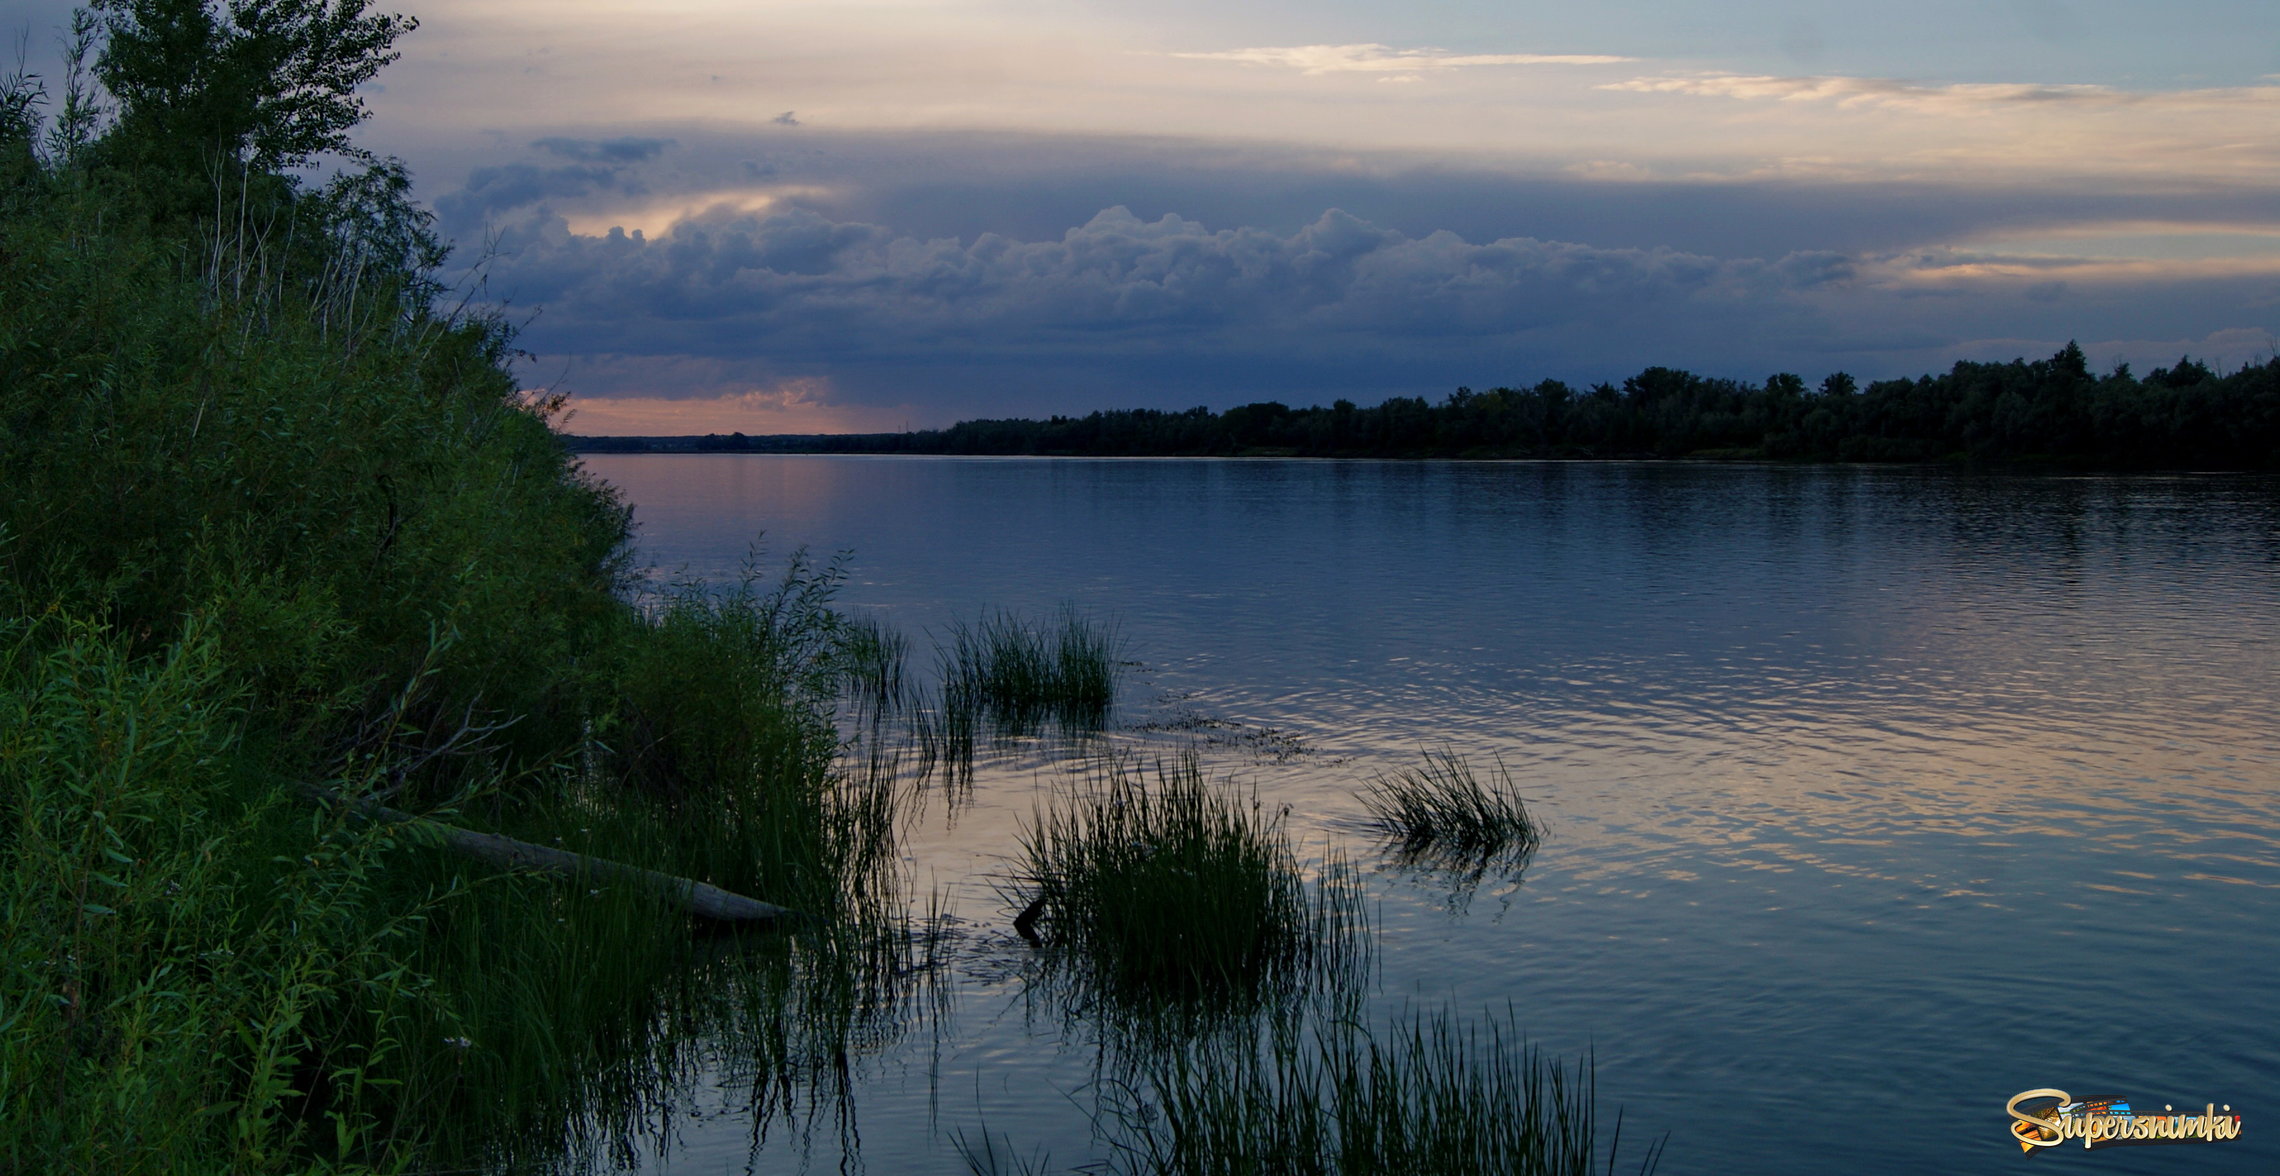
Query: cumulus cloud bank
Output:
(812,286)
(776,283)
(1127,311)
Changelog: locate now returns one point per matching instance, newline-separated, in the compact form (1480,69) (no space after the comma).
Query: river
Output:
(1875,795)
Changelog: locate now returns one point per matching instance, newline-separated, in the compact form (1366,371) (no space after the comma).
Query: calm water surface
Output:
(1876,796)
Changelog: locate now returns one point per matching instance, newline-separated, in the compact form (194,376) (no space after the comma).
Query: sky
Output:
(736,215)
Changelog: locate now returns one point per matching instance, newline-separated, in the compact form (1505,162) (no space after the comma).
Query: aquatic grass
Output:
(600,1004)
(872,661)
(1427,1094)
(1443,813)
(1000,664)
(1013,677)
(982,1157)
(943,734)
(602,1010)
(713,711)
(1020,674)
(189,934)
(1173,886)
(1087,658)
(1158,885)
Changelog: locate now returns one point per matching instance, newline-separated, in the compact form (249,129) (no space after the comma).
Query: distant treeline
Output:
(2052,410)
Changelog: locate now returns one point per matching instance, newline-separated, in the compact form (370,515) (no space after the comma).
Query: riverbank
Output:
(2043,414)
(276,522)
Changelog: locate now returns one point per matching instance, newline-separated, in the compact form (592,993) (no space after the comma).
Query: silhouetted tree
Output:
(267,83)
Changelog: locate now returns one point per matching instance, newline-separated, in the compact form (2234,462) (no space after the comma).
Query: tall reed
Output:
(944,735)
(1087,660)
(873,658)
(574,1011)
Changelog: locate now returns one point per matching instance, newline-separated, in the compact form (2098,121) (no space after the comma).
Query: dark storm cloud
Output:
(604,165)
(493,190)
(1029,186)
(943,273)
(1187,303)
(718,278)
(629,149)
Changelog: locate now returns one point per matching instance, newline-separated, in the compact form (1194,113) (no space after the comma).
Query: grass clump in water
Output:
(1086,658)
(1430,1094)
(944,737)
(1023,674)
(1442,811)
(1171,887)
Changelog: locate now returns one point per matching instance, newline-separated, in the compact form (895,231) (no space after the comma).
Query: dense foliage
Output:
(276,522)
(2054,410)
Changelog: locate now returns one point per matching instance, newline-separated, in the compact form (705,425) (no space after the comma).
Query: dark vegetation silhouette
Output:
(2054,410)
(275,522)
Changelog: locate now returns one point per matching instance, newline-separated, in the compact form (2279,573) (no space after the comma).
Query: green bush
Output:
(186,946)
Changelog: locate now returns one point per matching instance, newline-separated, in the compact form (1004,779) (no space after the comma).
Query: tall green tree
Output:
(271,84)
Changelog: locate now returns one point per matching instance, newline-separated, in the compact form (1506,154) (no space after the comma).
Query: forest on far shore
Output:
(2052,410)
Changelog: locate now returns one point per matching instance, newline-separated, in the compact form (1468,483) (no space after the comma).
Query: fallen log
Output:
(701,899)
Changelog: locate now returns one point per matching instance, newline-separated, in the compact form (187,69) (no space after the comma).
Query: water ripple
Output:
(1861,783)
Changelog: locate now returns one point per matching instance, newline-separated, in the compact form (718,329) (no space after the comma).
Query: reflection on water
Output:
(1861,785)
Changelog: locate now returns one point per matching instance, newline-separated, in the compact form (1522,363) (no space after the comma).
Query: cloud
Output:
(628,149)
(1877,128)
(646,214)
(785,120)
(493,190)
(1123,308)
(1169,311)
(938,184)
(1610,170)
(594,198)
(950,69)
(801,276)
(1950,266)
(979,275)
(1859,92)
(1375,58)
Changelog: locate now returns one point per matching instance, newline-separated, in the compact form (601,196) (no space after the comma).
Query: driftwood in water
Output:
(1026,921)
(699,898)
